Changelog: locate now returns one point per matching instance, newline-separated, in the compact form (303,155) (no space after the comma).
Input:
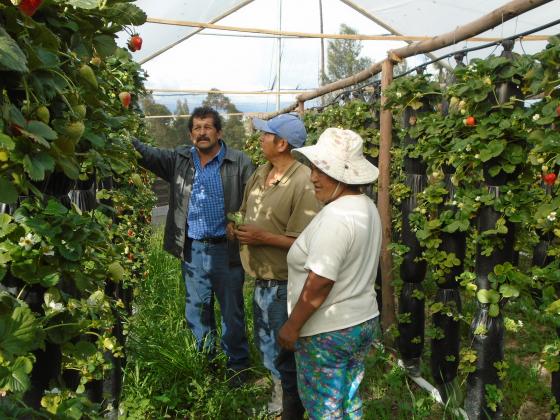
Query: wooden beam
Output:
(384,201)
(358,37)
(494,18)
(383,24)
(228,92)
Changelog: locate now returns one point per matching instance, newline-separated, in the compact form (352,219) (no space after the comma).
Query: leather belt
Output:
(269,283)
(215,240)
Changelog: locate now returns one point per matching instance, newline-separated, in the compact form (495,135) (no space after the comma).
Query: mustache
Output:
(202,138)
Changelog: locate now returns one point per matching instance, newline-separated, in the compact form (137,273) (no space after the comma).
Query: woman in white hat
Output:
(333,314)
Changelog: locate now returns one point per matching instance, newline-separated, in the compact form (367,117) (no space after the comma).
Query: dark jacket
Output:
(177,168)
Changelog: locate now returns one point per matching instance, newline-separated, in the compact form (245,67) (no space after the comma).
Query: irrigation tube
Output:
(432,390)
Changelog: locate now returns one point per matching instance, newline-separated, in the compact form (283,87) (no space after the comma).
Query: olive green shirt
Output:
(286,207)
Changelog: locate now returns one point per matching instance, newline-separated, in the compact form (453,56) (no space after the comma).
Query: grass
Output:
(166,377)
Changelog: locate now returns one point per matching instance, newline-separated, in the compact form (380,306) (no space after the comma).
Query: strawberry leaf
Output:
(8,193)
(6,142)
(15,378)
(36,165)
(41,129)
(84,4)
(20,332)
(105,45)
(11,56)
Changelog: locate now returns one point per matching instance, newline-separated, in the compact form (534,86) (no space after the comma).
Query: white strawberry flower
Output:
(55,306)
(551,216)
(28,241)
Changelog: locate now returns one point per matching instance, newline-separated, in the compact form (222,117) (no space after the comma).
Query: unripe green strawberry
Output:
(73,98)
(43,114)
(115,271)
(86,73)
(74,130)
(136,180)
(80,111)
(65,145)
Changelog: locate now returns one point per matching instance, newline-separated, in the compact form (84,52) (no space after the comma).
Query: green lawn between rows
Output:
(166,378)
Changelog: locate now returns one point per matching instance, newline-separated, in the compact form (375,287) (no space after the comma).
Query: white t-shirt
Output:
(342,243)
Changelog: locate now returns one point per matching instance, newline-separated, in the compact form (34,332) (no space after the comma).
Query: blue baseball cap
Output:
(287,126)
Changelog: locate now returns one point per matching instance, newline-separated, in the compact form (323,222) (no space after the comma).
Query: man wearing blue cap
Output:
(278,203)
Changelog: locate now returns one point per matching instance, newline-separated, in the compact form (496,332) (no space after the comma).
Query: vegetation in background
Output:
(343,56)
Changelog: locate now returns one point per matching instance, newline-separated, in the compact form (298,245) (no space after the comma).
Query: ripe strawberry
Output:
(558,110)
(549,178)
(29,7)
(130,233)
(125,98)
(135,43)
(470,121)
(16,129)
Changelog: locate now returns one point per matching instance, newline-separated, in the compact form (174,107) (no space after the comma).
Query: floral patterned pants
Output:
(330,368)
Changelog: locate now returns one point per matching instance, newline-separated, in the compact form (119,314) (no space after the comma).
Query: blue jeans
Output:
(206,275)
(270,312)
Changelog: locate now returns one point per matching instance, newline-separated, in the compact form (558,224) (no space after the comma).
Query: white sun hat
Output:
(338,153)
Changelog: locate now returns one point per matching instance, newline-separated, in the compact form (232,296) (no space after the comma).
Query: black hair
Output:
(205,112)
(277,138)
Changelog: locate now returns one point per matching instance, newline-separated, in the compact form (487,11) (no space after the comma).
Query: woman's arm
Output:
(315,291)
(253,235)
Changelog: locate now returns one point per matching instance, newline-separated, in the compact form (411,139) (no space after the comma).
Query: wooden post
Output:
(384,201)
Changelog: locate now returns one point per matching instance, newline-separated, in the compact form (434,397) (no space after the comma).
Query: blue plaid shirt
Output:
(206,216)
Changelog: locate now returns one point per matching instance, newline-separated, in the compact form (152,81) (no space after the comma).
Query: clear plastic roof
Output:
(237,61)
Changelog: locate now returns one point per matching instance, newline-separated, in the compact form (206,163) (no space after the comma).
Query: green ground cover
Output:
(166,378)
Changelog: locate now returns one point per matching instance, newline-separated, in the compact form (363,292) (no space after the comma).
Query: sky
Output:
(251,64)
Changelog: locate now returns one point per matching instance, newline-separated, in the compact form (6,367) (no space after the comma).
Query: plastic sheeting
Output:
(157,36)
(408,17)
(434,17)
(182,67)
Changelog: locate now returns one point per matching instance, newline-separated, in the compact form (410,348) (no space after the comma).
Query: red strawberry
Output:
(130,232)
(558,110)
(549,178)
(29,7)
(16,129)
(125,98)
(135,43)
(470,121)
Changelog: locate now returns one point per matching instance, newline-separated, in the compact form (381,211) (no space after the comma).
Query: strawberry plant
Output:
(62,125)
